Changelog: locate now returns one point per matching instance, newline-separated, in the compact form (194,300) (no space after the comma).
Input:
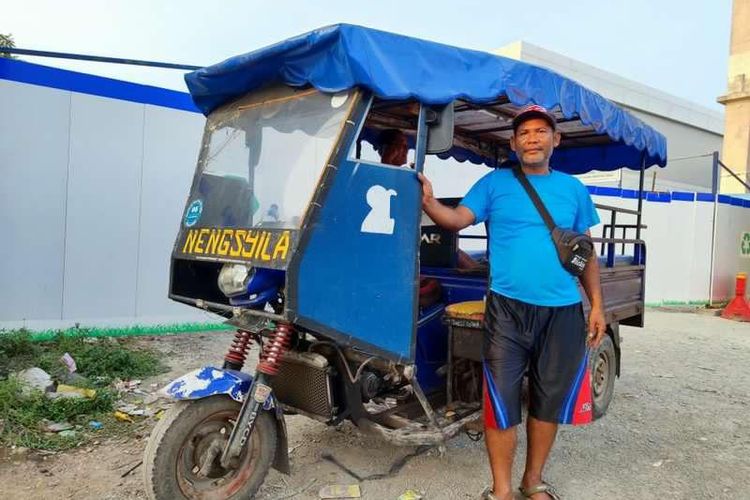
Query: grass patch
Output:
(100,361)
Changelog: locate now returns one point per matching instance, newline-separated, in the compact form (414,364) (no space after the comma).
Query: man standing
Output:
(533,315)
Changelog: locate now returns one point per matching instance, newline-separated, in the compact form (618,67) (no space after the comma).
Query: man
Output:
(393,147)
(533,314)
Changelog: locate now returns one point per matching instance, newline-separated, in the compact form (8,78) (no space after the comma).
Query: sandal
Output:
(487,494)
(539,488)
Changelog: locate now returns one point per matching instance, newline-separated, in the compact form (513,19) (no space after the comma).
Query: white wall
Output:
(91,197)
(732,221)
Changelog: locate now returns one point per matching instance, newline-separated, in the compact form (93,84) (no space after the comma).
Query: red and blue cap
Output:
(534,111)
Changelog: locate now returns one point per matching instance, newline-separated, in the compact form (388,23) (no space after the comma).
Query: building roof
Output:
(621,90)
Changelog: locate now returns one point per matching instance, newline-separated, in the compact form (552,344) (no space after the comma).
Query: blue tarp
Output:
(397,67)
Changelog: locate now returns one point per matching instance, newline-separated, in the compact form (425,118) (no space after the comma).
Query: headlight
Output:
(233,279)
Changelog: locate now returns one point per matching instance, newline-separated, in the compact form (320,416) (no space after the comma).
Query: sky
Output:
(664,44)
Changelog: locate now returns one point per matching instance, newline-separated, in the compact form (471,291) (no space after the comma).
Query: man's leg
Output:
(505,357)
(558,385)
(501,447)
(540,436)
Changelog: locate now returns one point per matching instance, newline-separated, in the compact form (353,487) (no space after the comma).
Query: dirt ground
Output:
(678,428)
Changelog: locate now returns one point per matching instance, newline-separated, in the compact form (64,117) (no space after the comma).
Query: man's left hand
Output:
(597,327)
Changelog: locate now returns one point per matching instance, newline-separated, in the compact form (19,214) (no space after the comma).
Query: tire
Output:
(184,435)
(603,374)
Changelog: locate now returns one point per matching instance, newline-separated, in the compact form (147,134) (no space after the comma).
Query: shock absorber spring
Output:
(237,354)
(274,348)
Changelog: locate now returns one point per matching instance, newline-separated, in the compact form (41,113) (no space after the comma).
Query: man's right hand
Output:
(452,219)
(427,194)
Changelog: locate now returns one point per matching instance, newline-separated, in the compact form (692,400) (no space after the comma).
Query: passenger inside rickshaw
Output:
(439,248)
(392,146)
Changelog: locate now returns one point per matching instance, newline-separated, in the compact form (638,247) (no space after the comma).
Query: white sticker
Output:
(338,100)
(378,220)
(261,393)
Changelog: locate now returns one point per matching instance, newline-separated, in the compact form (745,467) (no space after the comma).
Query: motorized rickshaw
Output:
(319,253)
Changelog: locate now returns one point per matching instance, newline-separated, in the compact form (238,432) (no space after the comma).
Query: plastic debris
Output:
(131,410)
(123,417)
(127,385)
(74,379)
(64,395)
(95,425)
(35,379)
(410,495)
(69,362)
(159,414)
(68,434)
(340,491)
(56,426)
(86,393)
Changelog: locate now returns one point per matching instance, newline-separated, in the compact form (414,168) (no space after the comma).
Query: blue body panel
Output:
(358,270)
(432,333)
(209,381)
(432,348)
(457,287)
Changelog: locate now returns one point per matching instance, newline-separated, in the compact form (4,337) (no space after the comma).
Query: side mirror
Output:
(439,129)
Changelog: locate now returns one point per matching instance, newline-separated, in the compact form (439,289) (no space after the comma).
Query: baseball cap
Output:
(534,111)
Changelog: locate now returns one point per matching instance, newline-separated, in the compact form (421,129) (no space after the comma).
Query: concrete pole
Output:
(735,152)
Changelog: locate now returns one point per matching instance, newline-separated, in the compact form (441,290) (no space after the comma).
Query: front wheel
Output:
(182,458)
(603,374)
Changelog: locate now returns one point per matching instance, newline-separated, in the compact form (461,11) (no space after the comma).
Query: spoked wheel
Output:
(182,458)
(603,374)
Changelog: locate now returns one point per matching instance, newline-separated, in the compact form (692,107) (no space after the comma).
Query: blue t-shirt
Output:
(523,260)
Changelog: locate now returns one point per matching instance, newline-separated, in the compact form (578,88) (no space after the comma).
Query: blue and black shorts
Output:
(547,342)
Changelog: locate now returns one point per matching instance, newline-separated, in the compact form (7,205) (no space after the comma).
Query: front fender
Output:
(209,381)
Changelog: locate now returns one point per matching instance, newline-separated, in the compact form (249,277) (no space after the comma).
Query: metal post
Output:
(715,186)
(111,60)
(715,173)
(420,148)
(637,250)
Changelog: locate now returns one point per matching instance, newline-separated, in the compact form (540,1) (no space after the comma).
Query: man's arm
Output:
(592,286)
(452,219)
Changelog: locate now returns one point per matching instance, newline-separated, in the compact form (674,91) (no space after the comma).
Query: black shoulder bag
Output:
(574,249)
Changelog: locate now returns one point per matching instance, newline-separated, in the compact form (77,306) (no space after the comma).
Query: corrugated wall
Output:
(91,197)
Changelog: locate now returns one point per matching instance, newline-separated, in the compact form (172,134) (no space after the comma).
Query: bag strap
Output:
(521,176)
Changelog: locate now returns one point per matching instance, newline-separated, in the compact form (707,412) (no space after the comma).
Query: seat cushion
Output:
(473,310)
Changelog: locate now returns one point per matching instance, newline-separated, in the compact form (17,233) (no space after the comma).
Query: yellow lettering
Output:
(261,242)
(226,238)
(192,235)
(252,240)
(239,235)
(264,255)
(199,242)
(213,240)
(282,246)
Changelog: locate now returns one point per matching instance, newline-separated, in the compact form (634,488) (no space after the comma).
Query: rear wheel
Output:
(603,366)
(182,458)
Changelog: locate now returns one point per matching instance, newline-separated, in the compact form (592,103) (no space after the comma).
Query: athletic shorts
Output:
(549,343)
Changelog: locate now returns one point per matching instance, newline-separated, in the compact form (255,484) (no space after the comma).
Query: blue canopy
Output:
(397,67)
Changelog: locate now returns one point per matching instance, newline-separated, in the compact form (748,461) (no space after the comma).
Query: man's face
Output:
(396,152)
(533,142)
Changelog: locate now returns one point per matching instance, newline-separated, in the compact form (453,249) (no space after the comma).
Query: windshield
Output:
(263,156)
